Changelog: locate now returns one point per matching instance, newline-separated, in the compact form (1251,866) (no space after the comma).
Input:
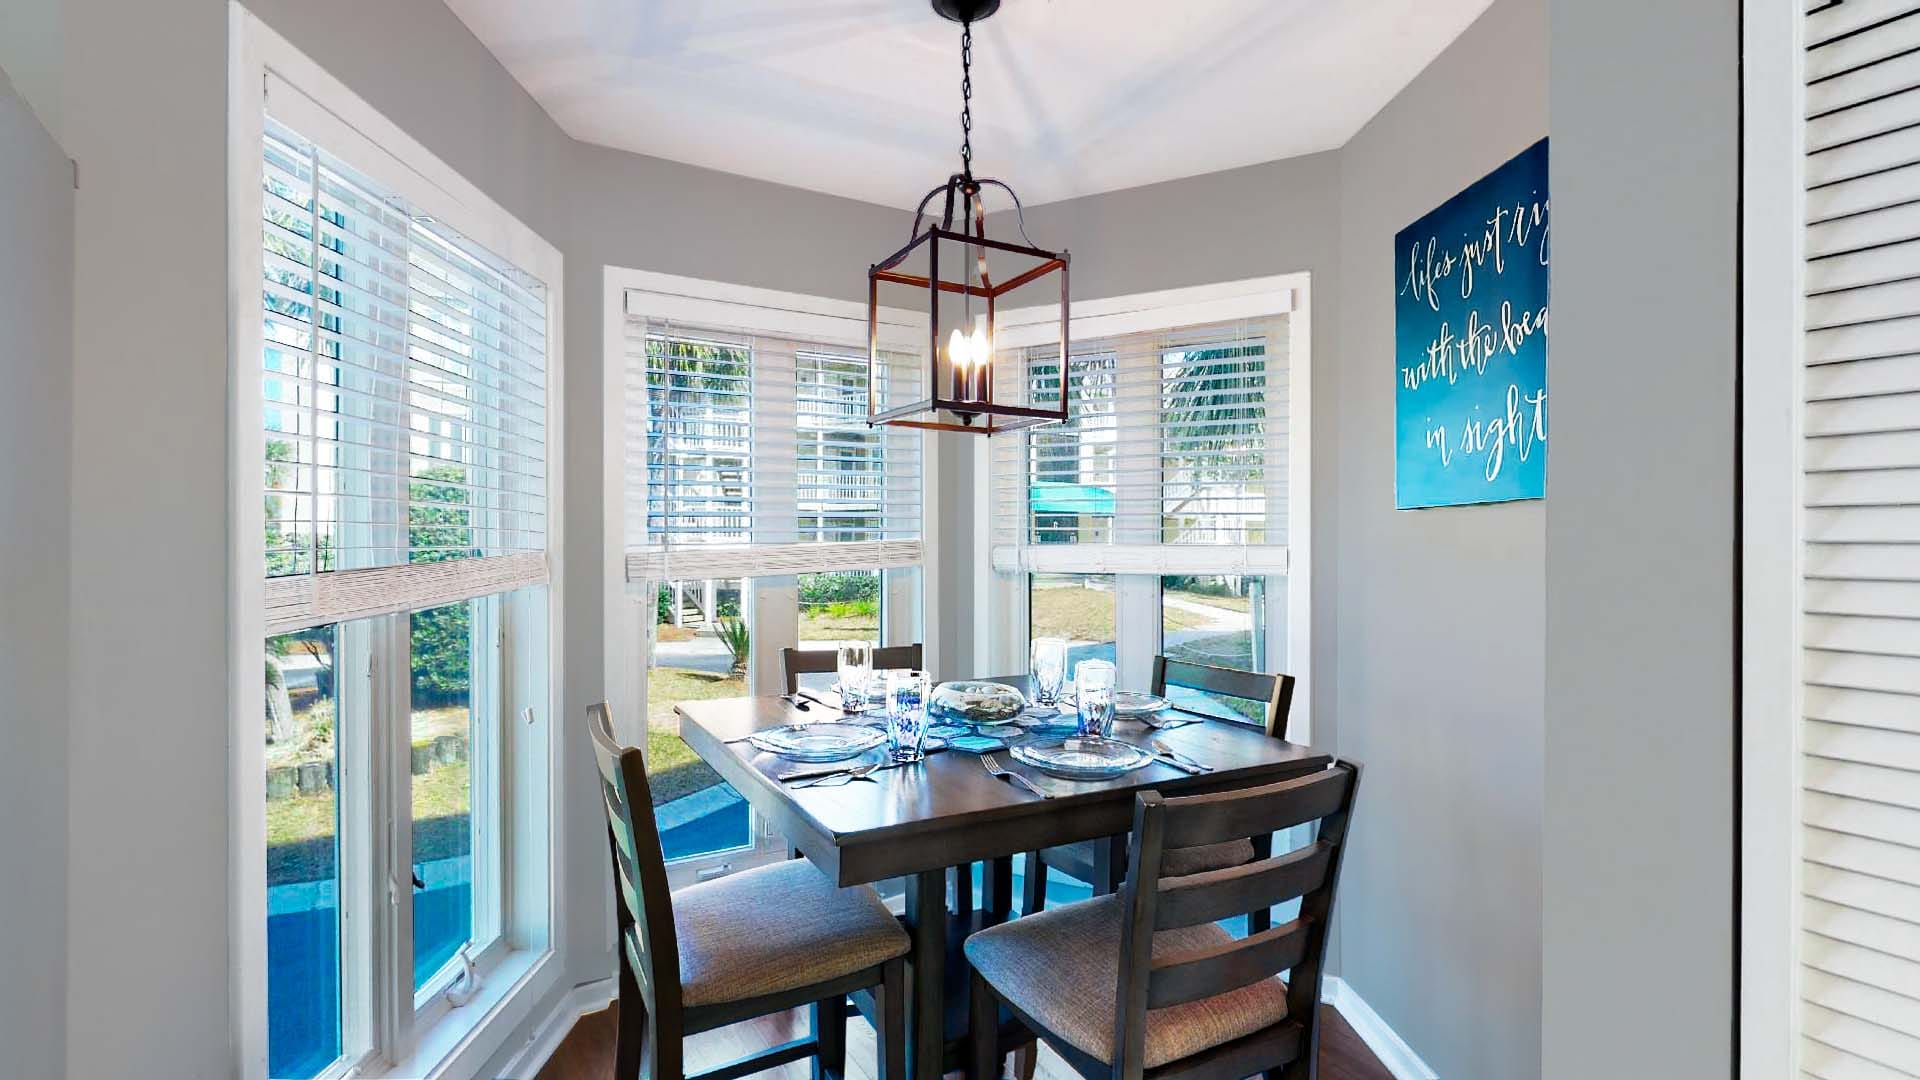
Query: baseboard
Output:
(1385,1043)
(576,1003)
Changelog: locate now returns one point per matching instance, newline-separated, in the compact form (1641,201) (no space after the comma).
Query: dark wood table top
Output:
(947,810)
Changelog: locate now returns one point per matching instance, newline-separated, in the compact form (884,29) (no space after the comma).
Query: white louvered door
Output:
(1860,883)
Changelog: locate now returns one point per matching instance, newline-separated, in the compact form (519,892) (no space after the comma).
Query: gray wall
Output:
(1441,613)
(36,358)
(1640,662)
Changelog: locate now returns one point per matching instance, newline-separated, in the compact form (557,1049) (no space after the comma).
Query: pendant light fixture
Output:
(945,272)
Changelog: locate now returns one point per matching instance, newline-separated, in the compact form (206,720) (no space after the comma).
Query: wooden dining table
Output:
(917,821)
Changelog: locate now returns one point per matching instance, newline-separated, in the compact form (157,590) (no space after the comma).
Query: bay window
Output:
(401,373)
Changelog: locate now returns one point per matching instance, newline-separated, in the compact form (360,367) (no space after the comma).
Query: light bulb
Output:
(957,350)
(979,350)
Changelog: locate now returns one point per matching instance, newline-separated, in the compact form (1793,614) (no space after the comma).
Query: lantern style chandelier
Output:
(960,294)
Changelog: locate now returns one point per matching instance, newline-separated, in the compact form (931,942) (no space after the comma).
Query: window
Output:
(762,513)
(303,718)
(1077,609)
(1215,619)
(404,388)
(1155,520)
(837,607)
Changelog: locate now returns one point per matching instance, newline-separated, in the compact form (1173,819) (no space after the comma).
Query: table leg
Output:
(927,923)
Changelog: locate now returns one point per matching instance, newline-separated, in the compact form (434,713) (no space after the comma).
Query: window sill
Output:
(460,1040)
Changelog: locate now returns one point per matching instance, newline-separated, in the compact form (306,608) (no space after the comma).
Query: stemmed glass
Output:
(855,665)
(1049,666)
(1093,687)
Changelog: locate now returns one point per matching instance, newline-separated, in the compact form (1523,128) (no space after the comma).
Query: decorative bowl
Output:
(972,702)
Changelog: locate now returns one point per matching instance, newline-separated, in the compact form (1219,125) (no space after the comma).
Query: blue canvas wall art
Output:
(1470,343)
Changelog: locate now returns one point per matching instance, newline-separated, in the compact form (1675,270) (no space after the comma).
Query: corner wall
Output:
(36,368)
(1641,540)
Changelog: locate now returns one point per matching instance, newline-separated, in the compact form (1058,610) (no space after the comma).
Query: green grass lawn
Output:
(300,829)
(828,624)
(1072,612)
(1231,603)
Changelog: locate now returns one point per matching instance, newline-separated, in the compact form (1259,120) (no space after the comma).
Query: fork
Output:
(998,771)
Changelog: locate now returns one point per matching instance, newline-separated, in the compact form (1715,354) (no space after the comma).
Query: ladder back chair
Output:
(1145,985)
(798,662)
(1099,863)
(757,942)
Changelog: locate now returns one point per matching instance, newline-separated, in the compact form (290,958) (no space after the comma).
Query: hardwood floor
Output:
(587,1051)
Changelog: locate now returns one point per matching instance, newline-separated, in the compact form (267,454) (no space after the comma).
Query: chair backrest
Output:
(642,906)
(1274,693)
(798,662)
(1153,903)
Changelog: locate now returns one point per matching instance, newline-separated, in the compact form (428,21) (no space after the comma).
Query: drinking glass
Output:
(856,670)
(1093,686)
(1049,669)
(907,715)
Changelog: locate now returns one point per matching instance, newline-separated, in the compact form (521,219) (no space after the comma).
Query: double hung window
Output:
(762,512)
(1155,519)
(404,373)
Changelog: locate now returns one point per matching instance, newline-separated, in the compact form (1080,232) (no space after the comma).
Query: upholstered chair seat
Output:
(775,928)
(1062,968)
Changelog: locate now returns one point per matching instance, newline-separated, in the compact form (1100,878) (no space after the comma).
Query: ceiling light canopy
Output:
(961,297)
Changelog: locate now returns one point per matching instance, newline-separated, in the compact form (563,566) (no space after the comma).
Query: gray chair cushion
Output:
(1062,968)
(1179,862)
(777,928)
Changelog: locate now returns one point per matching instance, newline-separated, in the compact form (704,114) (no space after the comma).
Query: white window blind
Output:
(1860,913)
(405,396)
(750,455)
(1174,460)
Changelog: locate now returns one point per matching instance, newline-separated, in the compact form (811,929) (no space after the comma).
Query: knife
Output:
(818,700)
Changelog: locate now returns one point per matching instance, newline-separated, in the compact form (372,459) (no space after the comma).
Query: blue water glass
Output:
(907,715)
(1093,690)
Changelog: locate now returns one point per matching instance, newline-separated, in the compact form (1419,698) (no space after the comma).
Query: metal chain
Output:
(966,98)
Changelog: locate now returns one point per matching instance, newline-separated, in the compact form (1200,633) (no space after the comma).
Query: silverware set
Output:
(837,776)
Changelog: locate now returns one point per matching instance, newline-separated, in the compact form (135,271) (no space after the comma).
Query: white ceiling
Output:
(862,97)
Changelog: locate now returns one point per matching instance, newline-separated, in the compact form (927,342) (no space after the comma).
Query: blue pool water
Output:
(303,975)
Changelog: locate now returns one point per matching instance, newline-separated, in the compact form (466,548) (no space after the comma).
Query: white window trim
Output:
(1772,388)
(644,294)
(1000,634)
(533,918)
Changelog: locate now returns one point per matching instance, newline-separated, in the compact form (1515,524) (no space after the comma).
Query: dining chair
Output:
(761,941)
(1099,862)
(1146,982)
(798,662)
